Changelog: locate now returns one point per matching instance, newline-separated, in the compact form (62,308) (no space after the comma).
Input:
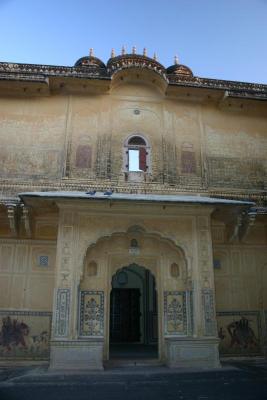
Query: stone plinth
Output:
(192,352)
(77,354)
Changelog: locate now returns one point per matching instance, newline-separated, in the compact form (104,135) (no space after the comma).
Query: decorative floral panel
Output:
(91,313)
(175,313)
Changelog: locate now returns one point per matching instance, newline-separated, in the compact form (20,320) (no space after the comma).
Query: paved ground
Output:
(246,380)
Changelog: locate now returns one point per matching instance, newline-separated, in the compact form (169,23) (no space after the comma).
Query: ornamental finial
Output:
(123,51)
(112,53)
(176,60)
(155,57)
(145,52)
(134,50)
(91,52)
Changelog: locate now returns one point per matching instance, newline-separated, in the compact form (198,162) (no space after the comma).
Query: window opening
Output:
(137,154)
(133,160)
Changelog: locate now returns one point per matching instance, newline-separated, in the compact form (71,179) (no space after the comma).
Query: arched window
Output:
(137,154)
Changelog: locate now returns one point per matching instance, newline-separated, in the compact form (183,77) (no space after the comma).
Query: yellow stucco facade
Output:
(129,183)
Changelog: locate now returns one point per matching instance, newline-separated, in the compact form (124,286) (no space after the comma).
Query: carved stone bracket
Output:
(242,226)
(11,214)
(234,236)
(248,223)
(26,221)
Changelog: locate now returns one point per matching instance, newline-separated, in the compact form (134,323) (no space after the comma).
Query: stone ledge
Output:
(77,354)
(192,352)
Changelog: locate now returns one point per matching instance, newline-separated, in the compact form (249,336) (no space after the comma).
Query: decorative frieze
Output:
(203,250)
(91,313)
(189,309)
(66,243)
(209,312)
(66,247)
(62,313)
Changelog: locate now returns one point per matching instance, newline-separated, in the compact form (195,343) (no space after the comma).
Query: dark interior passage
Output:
(133,314)
(125,315)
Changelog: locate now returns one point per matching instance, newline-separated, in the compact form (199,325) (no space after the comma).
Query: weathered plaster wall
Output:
(236,145)
(240,277)
(32,133)
(81,137)
(27,271)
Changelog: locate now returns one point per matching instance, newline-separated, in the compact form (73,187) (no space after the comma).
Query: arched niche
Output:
(113,252)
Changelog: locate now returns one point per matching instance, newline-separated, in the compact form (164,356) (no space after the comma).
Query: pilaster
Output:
(68,350)
(205,277)
(201,348)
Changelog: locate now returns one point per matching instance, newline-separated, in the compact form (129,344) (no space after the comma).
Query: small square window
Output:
(43,261)
(217,264)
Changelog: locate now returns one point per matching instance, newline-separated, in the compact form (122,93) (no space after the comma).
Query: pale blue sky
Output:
(224,39)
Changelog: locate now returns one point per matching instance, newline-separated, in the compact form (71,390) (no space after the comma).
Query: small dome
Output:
(179,70)
(89,61)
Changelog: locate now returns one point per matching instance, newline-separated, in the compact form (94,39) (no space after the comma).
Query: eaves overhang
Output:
(93,196)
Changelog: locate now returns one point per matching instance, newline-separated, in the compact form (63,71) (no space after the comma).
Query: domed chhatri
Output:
(127,60)
(179,69)
(134,60)
(90,61)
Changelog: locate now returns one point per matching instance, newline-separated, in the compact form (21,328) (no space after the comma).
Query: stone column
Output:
(68,350)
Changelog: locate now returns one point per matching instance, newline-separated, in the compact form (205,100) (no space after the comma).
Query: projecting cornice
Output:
(43,77)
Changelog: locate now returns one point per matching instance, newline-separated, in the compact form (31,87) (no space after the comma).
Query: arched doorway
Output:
(133,332)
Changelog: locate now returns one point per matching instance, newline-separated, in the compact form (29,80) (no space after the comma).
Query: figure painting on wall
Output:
(239,334)
(13,333)
(24,336)
(242,334)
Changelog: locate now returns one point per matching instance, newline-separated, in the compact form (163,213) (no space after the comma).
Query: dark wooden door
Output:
(125,315)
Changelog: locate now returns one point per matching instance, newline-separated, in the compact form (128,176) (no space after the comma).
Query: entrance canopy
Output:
(226,210)
(109,195)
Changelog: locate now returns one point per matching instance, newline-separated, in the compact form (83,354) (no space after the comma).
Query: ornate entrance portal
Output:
(138,295)
(133,314)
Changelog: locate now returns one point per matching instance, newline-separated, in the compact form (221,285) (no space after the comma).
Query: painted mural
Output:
(239,333)
(24,335)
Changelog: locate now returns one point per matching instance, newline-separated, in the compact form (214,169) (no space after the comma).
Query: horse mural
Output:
(239,333)
(242,335)
(13,333)
(16,340)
